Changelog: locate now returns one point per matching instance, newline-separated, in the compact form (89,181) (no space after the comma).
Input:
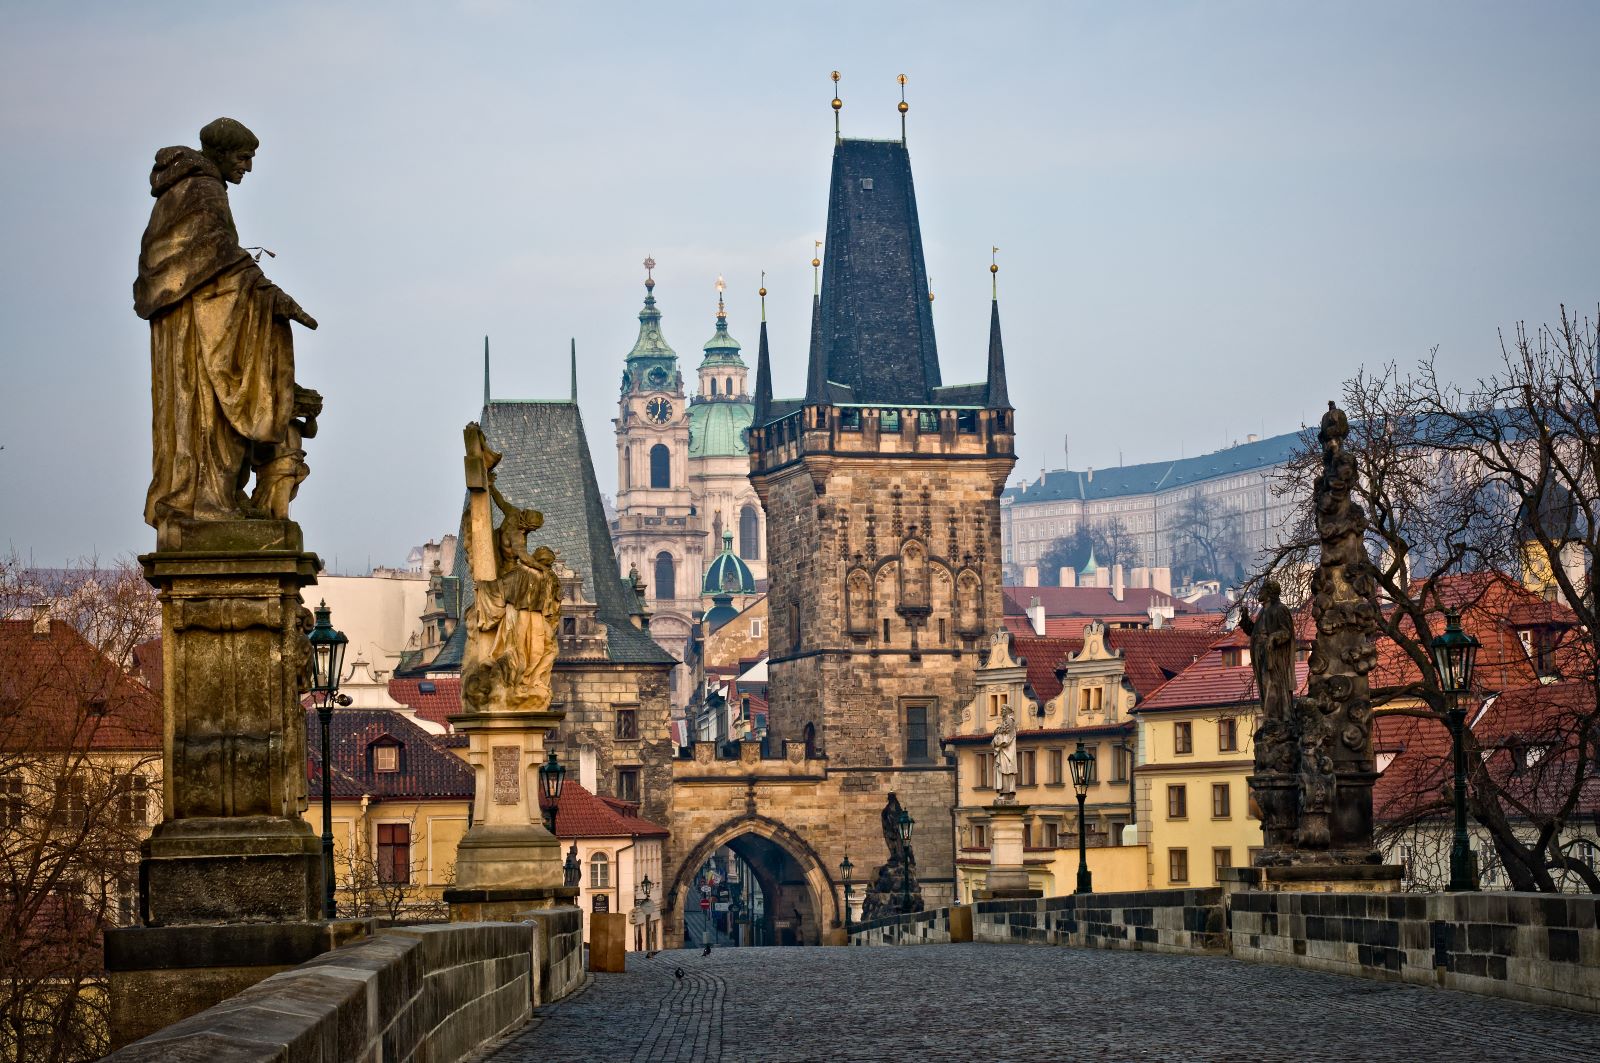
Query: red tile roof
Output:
(1208,682)
(1088,603)
(581,814)
(434,700)
(57,691)
(1151,656)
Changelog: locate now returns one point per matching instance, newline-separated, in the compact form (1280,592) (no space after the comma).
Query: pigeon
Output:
(678,972)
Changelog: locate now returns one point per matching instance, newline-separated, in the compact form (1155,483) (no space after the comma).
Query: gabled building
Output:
(620,855)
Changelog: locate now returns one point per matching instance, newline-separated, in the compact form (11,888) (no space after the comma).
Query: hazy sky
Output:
(1209,214)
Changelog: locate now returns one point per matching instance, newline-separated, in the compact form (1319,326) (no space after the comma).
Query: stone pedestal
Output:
(508,862)
(1008,875)
(1314,878)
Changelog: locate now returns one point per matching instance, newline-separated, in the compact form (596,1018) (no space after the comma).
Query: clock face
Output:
(659,410)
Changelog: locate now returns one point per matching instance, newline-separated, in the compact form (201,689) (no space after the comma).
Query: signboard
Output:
(705,904)
(602,902)
(720,906)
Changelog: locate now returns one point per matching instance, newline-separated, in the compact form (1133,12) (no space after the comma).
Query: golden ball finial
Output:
(901,79)
(837,103)
(761,292)
(835,76)
(816,262)
(904,107)
(930,297)
(993,268)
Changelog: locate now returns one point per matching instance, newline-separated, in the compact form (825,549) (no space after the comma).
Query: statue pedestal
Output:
(232,846)
(1008,876)
(508,862)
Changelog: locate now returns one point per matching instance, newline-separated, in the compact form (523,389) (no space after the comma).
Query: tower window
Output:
(713,385)
(749,534)
(660,467)
(728,389)
(666,577)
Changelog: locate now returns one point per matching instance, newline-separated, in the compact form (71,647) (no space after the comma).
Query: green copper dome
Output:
(717,429)
(721,348)
(728,574)
(1090,568)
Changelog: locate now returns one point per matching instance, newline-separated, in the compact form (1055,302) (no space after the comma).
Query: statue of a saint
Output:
(222,356)
(1272,651)
(512,624)
(1005,756)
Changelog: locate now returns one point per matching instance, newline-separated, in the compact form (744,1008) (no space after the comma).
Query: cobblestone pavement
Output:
(995,1003)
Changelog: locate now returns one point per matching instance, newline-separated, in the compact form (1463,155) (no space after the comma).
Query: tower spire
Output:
(904,107)
(574,369)
(837,103)
(816,371)
(996,395)
(486,370)
(763,404)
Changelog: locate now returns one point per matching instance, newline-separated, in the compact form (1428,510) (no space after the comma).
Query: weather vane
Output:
(904,107)
(763,293)
(816,265)
(994,271)
(837,103)
(722,286)
(649,265)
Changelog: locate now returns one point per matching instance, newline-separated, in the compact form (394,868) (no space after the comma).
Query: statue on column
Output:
(1005,757)
(513,621)
(225,403)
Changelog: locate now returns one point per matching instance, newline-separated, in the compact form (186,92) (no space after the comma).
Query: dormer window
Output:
(385,758)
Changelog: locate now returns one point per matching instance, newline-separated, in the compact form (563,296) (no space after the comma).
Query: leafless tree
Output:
(1206,538)
(372,889)
(1109,540)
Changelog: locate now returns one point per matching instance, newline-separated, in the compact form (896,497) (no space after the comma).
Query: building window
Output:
(917,734)
(72,801)
(1090,699)
(1177,865)
(12,803)
(749,534)
(385,758)
(886,629)
(1027,835)
(980,836)
(810,736)
(1221,859)
(628,784)
(1228,735)
(1233,657)
(889,421)
(1057,759)
(849,420)
(666,577)
(713,386)
(1052,836)
(660,466)
(927,421)
(997,701)
(1183,738)
(394,854)
(1121,763)
(1026,773)
(133,801)
(983,771)
(627,723)
(755,627)
(599,872)
(1221,801)
(1178,802)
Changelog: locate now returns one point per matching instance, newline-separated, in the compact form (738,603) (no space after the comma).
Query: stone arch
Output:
(858,602)
(825,899)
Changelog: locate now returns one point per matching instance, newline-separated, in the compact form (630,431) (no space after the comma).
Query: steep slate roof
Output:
(581,814)
(546,465)
(427,770)
(1150,658)
(1068,484)
(58,691)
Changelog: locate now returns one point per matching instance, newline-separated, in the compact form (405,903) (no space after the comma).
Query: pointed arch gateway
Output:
(798,884)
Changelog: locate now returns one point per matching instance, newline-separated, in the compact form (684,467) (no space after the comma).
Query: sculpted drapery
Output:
(222,357)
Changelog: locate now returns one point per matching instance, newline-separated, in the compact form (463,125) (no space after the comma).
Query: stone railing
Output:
(426,992)
(1534,947)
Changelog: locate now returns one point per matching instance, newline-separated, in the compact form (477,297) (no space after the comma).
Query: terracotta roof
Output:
(427,769)
(581,814)
(57,691)
(1151,656)
(435,700)
(1209,682)
(1086,602)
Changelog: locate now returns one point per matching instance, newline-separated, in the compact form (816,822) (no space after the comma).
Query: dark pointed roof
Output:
(877,323)
(816,364)
(763,378)
(546,466)
(996,397)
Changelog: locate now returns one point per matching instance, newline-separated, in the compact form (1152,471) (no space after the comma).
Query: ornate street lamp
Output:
(1081,762)
(846,869)
(1454,653)
(647,886)
(570,871)
(552,777)
(904,823)
(327,666)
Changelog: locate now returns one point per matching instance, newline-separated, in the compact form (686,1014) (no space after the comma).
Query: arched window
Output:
(599,872)
(713,385)
(627,466)
(666,577)
(729,389)
(810,735)
(749,534)
(660,466)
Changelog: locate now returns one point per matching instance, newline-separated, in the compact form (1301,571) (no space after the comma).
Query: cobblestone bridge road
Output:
(994,1003)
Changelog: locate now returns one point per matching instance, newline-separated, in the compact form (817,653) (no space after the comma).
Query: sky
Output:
(1209,215)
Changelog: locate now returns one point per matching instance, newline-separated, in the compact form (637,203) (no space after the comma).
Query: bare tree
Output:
(1206,538)
(383,886)
(80,759)
(1109,541)
(1467,491)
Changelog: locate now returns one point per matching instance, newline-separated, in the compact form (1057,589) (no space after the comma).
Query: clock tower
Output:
(657,530)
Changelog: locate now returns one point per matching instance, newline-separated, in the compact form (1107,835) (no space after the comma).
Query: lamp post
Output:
(649,935)
(327,665)
(904,824)
(1080,760)
(1454,654)
(552,777)
(846,870)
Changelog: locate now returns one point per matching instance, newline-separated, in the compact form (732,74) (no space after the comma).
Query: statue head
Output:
(530,520)
(1270,592)
(230,146)
(544,556)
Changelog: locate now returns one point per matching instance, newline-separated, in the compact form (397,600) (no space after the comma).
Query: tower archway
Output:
(798,898)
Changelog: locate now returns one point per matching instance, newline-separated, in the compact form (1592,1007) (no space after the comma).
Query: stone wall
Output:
(1537,948)
(427,992)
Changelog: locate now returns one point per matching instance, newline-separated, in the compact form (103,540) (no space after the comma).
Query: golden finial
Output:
(762,291)
(994,271)
(722,286)
(649,266)
(904,107)
(930,289)
(837,103)
(816,265)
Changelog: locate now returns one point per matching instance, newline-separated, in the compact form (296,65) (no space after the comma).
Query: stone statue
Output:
(512,624)
(222,356)
(1272,651)
(1005,757)
(895,882)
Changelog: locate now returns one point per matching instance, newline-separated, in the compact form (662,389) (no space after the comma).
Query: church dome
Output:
(728,573)
(717,429)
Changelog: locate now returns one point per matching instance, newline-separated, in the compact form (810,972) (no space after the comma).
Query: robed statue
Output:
(1272,651)
(1005,756)
(516,612)
(226,407)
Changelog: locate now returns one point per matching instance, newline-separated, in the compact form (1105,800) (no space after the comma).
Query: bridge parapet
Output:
(704,763)
(435,992)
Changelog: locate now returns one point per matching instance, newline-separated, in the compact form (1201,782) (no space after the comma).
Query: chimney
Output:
(1036,615)
(41,620)
(1030,576)
(1161,580)
(587,770)
(1067,577)
(1116,582)
(1091,474)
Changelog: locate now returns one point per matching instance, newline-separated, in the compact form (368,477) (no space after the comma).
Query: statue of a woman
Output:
(1272,652)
